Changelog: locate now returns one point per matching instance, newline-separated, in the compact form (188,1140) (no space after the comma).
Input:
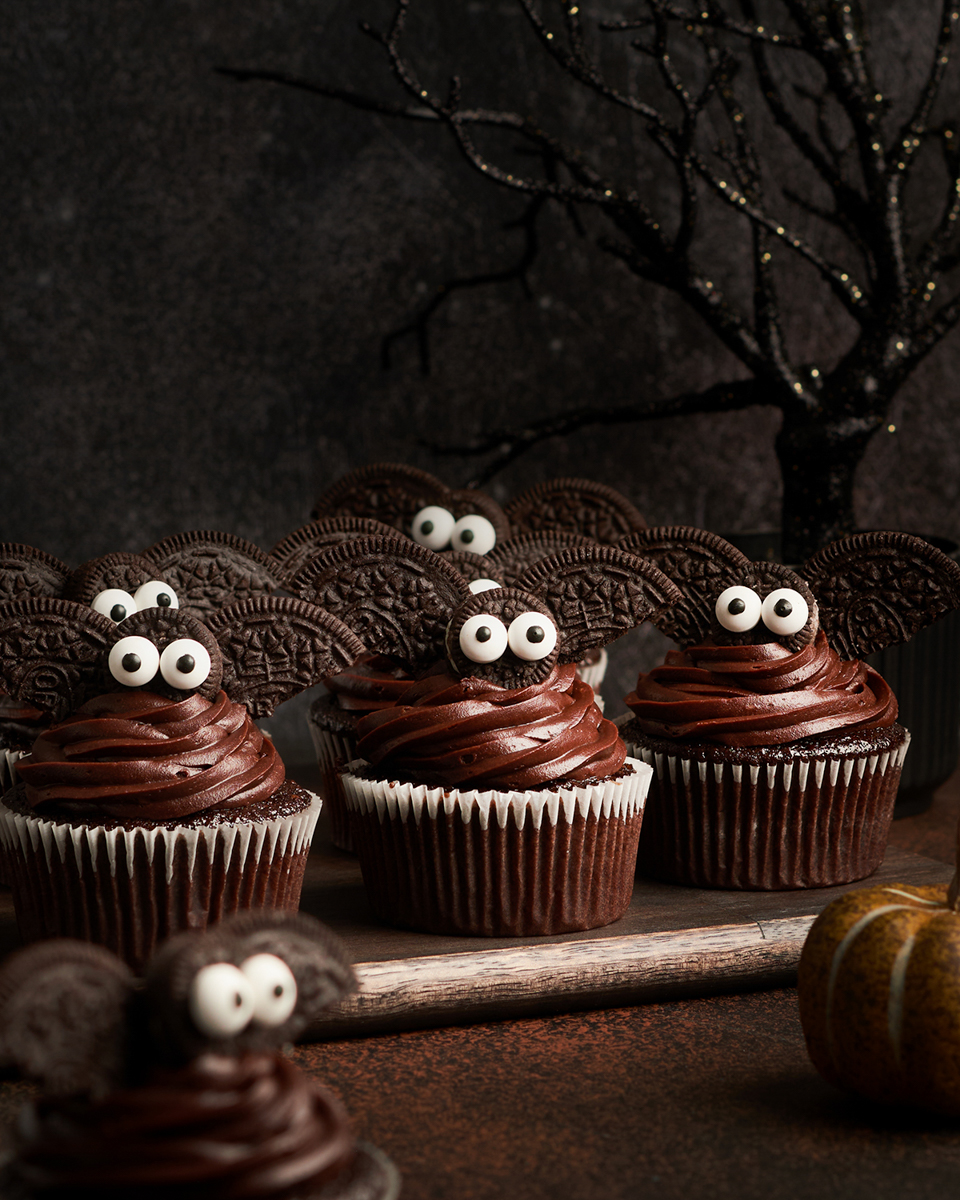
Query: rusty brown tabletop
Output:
(675,1100)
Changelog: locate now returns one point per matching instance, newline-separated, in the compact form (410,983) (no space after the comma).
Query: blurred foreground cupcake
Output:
(776,751)
(176,1089)
(153,802)
(493,798)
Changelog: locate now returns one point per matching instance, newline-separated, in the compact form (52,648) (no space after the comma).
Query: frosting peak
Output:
(137,755)
(472,733)
(759,694)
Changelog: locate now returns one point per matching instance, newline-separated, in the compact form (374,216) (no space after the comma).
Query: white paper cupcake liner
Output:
(510,863)
(333,749)
(128,889)
(812,822)
(8,768)
(593,673)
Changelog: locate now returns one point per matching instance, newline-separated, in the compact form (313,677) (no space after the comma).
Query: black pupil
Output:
(130,663)
(164,600)
(237,1000)
(467,536)
(535,633)
(278,990)
(427,528)
(118,613)
(484,633)
(783,608)
(186,663)
(736,607)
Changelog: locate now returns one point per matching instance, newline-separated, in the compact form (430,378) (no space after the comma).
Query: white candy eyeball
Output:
(483,638)
(114,603)
(220,1000)
(274,988)
(738,608)
(433,527)
(483,585)
(134,661)
(785,611)
(532,636)
(156,594)
(474,533)
(185,664)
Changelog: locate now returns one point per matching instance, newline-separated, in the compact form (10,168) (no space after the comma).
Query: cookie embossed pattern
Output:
(153,802)
(493,798)
(776,750)
(176,1087)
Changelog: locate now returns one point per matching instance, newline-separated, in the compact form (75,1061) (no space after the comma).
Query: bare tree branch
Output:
(507,444)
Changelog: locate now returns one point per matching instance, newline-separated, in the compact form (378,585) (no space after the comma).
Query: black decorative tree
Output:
(870,203)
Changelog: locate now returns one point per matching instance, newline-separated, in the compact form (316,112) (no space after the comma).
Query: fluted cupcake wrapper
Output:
(773,826)
(498,864)
(128,889)
(593,673)
(333,750)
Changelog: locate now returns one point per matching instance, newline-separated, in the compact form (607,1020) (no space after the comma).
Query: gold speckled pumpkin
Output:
(879,989)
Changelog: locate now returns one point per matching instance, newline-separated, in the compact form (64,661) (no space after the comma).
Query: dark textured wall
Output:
(197,274)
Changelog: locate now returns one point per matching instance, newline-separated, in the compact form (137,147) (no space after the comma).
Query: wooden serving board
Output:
(673,942)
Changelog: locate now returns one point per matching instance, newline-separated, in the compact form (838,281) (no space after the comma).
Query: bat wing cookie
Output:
(293,552)
(200,571)
(408,602)
(56,654)
(865,592)
(574,506)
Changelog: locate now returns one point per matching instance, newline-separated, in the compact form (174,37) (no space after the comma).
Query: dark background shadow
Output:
(198,273)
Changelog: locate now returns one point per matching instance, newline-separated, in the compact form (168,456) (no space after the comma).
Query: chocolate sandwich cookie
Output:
(153,802)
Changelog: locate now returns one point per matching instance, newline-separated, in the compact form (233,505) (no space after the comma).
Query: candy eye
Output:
(532,636)
(483,638)
(483,585)
(184,664)
(220,1000)
(785,611)
(433,527)
(474,533)
(274,988)
(134,661)
(738,609)
(156,594)
(114,603)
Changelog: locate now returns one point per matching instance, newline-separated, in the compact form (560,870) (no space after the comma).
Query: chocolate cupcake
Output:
(177,1089)
(776,751)
(375,681)
(493,798)
(153,802)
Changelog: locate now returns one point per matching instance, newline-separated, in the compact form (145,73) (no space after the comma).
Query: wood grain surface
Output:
(672,942)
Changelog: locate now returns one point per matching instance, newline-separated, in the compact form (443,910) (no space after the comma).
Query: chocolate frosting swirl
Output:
(374,681)
(253,1126)
(759,695)
(134,755)
(472,733)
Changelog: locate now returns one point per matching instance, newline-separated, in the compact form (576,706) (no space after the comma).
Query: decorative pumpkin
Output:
(879,990)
